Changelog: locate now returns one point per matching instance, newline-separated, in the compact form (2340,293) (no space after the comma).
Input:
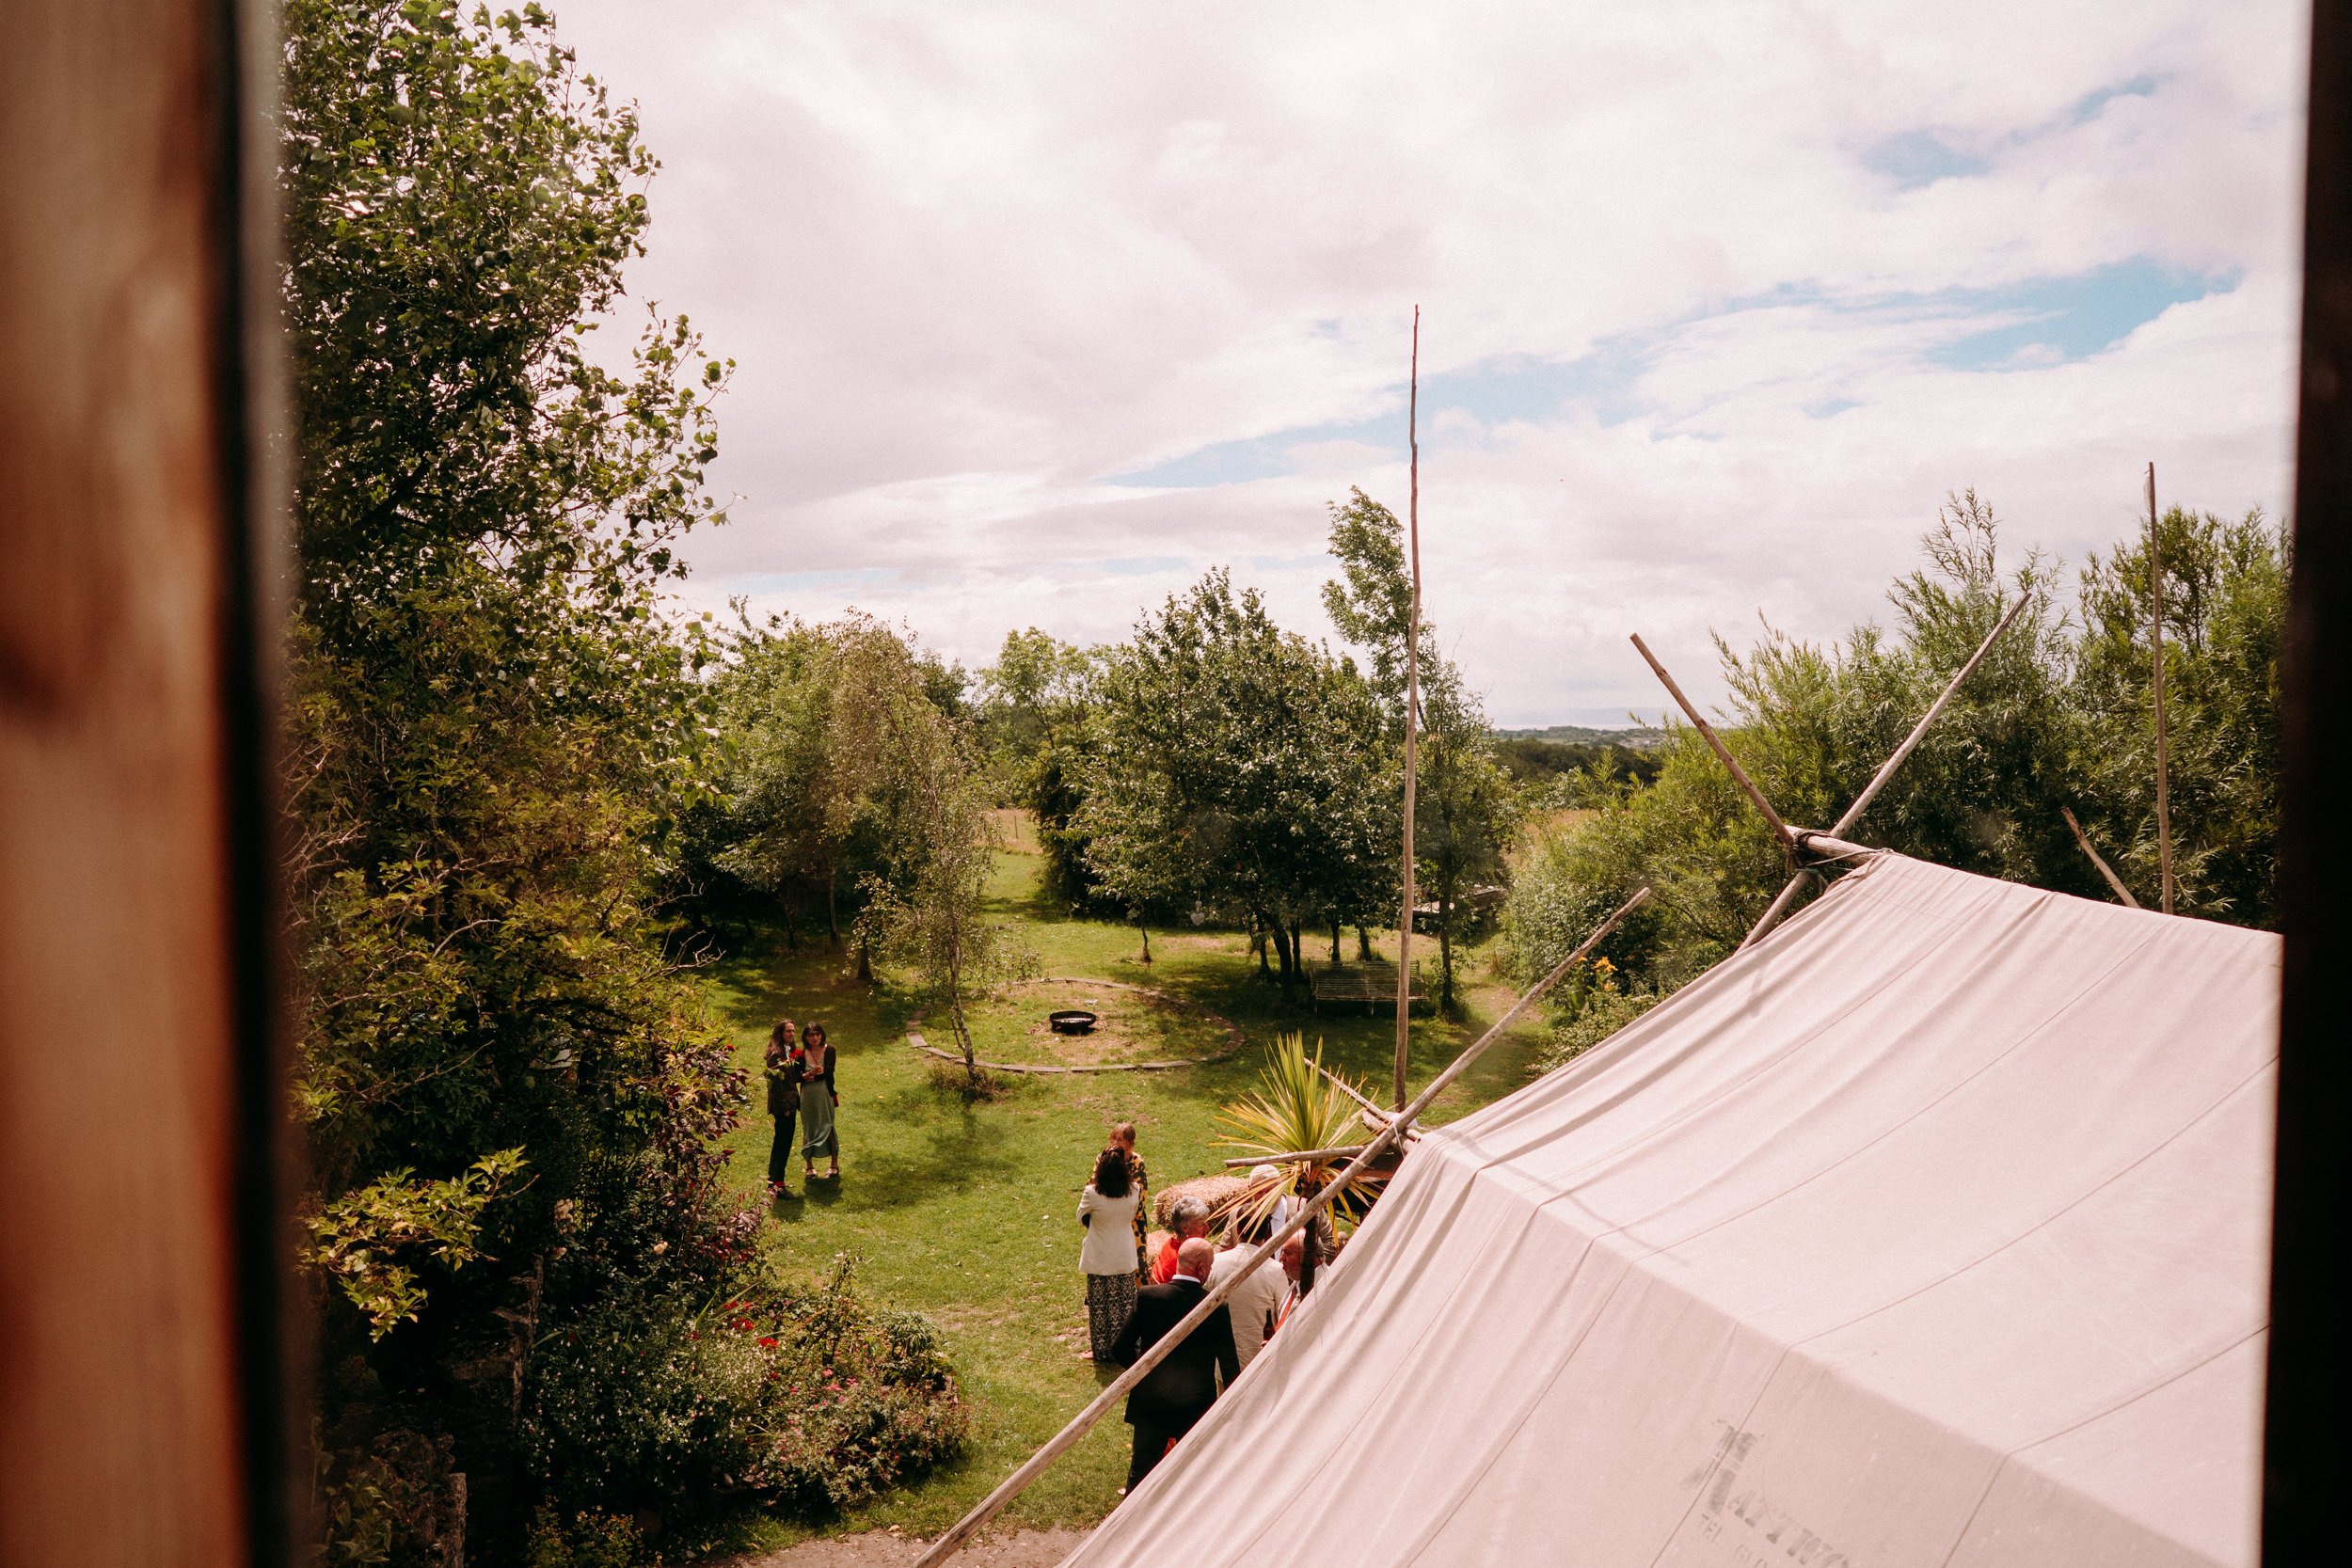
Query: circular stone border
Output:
(1233,1040)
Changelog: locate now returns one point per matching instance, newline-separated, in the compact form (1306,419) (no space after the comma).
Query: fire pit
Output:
(1072,1020)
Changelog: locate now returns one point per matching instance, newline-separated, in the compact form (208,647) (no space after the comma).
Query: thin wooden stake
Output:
(2155,619)
(1722,752)
(1080,1424)
(2105,870)
(1412,715)
(1380,1118)
(1886,769)
(1291,1158)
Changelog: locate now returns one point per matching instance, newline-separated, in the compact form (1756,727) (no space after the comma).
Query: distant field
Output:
(968,1214)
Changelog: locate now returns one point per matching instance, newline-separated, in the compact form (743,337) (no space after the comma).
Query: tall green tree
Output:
(2224,621)
(1036,716)
(495,730)
(1239,769)
(831,731)
(1463,801)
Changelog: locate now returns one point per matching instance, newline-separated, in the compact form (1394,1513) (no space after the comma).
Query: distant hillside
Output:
(1536,756)
(1639,738)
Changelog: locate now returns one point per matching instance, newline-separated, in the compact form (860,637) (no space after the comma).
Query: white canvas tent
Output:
(1931,1230)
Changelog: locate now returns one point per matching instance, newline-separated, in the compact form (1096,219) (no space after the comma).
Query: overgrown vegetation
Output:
(2057,717)
(512,1094)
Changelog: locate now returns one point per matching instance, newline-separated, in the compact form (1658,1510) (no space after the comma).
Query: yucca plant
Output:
(1294,1108)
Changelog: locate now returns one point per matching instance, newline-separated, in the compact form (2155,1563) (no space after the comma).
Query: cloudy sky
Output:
(1042,309)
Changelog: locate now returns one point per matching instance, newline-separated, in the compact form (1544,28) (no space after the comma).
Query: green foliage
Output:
(836,738)
(1594,1004)
(2224,621)
(1296,1108)
(1037,730)
(1238,767)
(394,1501)
(808,1401)
(496,734)
(591,1539)
(2055,716)
(368,1239)
(1463,803)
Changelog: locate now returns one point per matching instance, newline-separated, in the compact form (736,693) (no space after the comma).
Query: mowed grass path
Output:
(967,1214)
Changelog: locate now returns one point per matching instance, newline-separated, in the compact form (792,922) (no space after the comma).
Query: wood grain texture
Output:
(121,1433)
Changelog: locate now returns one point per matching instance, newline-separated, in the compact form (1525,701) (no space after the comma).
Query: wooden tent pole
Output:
(1349,1151)
(2156,625)
(1722,752)
(1886,769)
(1412,712)
(1381,1118)
(2105,870)
(1080,1424)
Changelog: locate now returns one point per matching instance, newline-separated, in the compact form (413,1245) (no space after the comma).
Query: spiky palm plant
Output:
(1294,1108)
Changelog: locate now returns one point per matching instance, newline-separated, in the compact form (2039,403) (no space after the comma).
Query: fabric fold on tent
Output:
(1933,1229)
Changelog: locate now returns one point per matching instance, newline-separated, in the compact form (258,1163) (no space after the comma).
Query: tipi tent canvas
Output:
(1932,1230)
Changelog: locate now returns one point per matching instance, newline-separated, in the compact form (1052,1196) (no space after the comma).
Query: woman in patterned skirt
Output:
(1107,1208)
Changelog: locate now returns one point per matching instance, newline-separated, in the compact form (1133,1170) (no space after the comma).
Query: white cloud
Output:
(975,260)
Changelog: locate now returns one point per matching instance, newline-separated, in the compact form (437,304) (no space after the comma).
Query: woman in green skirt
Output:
(818,1100)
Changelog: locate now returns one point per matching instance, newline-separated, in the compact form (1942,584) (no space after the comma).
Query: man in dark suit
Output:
(1178,1392)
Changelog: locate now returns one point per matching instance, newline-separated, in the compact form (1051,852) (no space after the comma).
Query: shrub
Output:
(1598,1006)
(589,1539)
(810,1401)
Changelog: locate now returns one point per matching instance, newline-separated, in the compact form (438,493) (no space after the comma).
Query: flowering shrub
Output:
(811,1400)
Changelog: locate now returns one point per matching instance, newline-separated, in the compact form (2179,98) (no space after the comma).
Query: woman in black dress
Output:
(783,1101)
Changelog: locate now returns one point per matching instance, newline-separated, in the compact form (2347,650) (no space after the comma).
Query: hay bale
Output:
(1211,1190)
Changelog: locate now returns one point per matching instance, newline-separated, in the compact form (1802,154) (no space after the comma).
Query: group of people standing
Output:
(801,1094)
(1134,1298)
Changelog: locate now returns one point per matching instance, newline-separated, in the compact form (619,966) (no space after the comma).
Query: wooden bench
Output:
(1371,984)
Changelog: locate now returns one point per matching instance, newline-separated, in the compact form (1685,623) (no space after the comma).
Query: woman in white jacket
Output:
(1108,1210)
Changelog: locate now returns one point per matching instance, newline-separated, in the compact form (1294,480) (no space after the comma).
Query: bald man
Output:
(1178,1392)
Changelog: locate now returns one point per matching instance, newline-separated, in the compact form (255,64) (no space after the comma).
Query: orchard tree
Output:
(1238,767)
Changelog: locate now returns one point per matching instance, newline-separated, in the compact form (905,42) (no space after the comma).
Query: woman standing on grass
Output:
(818,1099)
(1107,1208)
(783,1101)
(1123,1140)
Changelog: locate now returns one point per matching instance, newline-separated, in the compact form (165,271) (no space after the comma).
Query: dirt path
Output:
(1022,1548)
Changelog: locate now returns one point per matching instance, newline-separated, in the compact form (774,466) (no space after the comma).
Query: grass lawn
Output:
(968,1214)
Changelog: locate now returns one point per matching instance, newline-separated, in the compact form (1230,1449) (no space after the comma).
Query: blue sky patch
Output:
(1918,158)
(2071,318)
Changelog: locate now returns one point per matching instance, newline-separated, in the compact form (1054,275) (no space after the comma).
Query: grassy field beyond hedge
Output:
(967,1214)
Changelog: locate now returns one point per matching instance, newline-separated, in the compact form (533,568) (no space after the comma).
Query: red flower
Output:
(767,1343)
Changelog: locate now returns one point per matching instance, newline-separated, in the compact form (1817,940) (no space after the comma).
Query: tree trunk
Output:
(1298,950)
(791,926)
(1335,941)
(963,1038)
(1363,945)
(1285,954)
(833,907)
(1445,955)
(1257,946)
(1147,938)
(865,962)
